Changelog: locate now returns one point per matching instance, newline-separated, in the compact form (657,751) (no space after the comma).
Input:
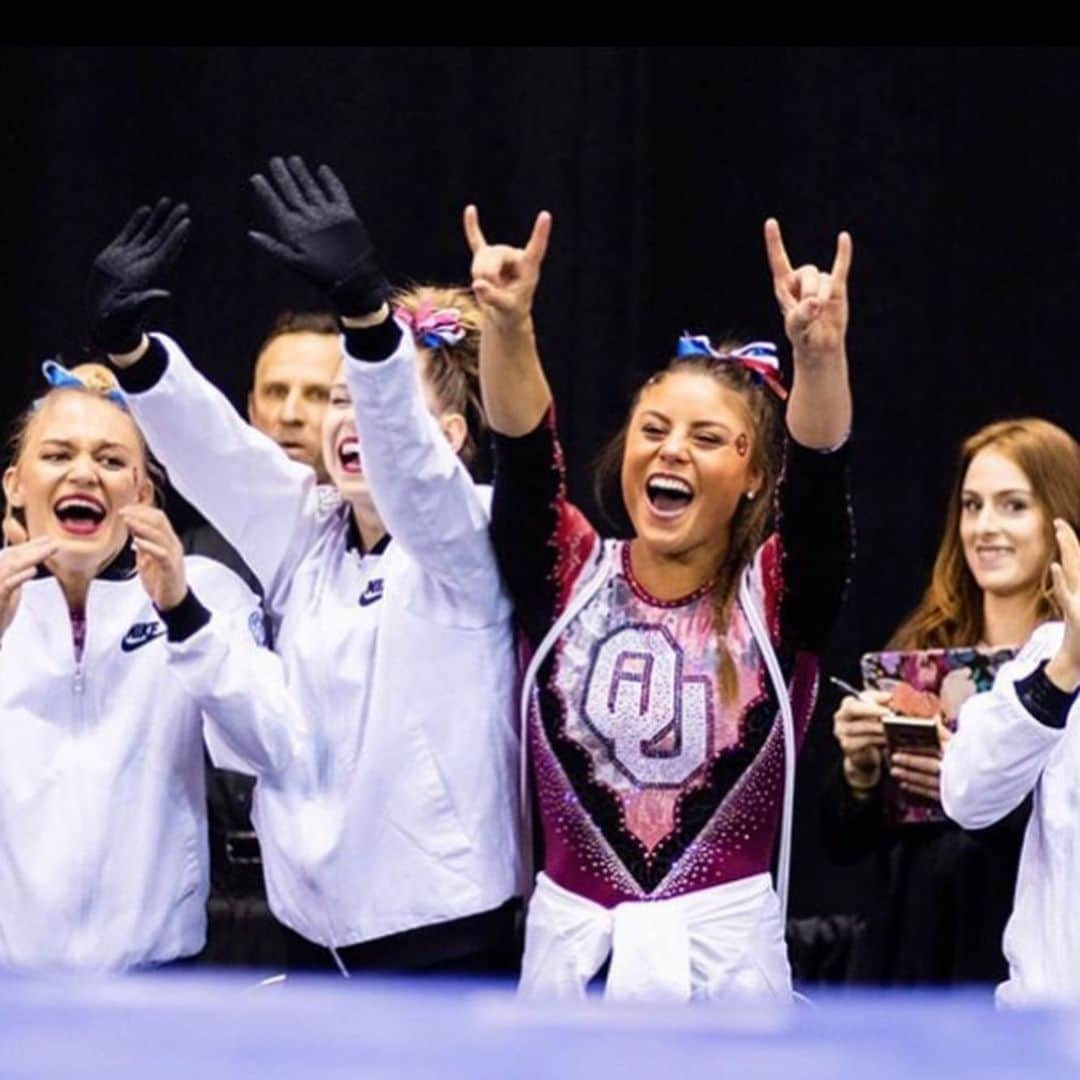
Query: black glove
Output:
(117,291)
(320,235)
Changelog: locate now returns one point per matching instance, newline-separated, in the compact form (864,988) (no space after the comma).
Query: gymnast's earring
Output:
(750,496)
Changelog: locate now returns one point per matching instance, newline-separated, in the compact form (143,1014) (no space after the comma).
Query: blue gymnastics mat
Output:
(199,1026)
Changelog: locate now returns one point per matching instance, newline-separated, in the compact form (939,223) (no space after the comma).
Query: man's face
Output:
(292,383)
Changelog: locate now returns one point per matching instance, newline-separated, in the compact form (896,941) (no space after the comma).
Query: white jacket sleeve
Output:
(422,490)
(999,750)
(262,502)
(251,721)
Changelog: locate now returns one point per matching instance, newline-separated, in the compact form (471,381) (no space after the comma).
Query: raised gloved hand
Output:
(119,288)
(319,235)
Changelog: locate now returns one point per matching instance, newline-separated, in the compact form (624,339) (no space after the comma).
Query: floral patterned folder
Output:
(927,683)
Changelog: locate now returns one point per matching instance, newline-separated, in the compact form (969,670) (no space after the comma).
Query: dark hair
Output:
(753,517)
(301,322)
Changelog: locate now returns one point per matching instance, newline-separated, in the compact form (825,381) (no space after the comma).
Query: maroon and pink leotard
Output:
(648,785)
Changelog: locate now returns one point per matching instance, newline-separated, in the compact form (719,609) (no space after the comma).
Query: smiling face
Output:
(1003,527)
(81,461)
(341,441)
(686,465)
(341,445)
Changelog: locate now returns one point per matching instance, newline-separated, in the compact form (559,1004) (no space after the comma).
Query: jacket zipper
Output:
(78,689)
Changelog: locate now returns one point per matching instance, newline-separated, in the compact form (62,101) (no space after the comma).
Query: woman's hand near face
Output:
(14,531)
(159,555)
(18,564)
(858,729)
(1064,668)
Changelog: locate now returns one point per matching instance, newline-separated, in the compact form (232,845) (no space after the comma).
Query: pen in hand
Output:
(845,686)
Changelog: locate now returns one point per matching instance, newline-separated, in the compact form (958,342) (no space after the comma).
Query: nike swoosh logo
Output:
(141,634)
(372,593)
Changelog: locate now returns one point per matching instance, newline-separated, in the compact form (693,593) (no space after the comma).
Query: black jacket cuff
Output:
(373,343)
(145,373)
(186,619)
(1049,704)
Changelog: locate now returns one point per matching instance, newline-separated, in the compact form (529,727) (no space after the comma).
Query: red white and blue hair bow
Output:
(432,326)
(757,357)
(60,377)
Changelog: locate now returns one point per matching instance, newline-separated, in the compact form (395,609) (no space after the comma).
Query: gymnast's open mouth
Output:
(668,495)
(79,515)
(348,453)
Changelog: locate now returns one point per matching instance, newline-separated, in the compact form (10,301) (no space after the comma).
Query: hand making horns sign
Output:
(504,277)
(814,303)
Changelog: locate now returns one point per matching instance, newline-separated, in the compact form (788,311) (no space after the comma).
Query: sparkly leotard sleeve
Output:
(649,785)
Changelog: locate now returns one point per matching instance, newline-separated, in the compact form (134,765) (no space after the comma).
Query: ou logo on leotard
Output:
(657,721)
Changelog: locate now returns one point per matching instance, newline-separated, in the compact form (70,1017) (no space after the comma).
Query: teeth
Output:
(670,483)
(349,454)
(78,500)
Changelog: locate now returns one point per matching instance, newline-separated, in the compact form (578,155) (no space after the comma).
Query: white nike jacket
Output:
(402,663)
(999,755)
(103,836)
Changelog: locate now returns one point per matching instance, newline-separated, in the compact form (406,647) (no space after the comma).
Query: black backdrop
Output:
(953,169)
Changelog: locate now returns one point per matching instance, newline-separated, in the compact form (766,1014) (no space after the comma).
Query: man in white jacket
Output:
(1021,737)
